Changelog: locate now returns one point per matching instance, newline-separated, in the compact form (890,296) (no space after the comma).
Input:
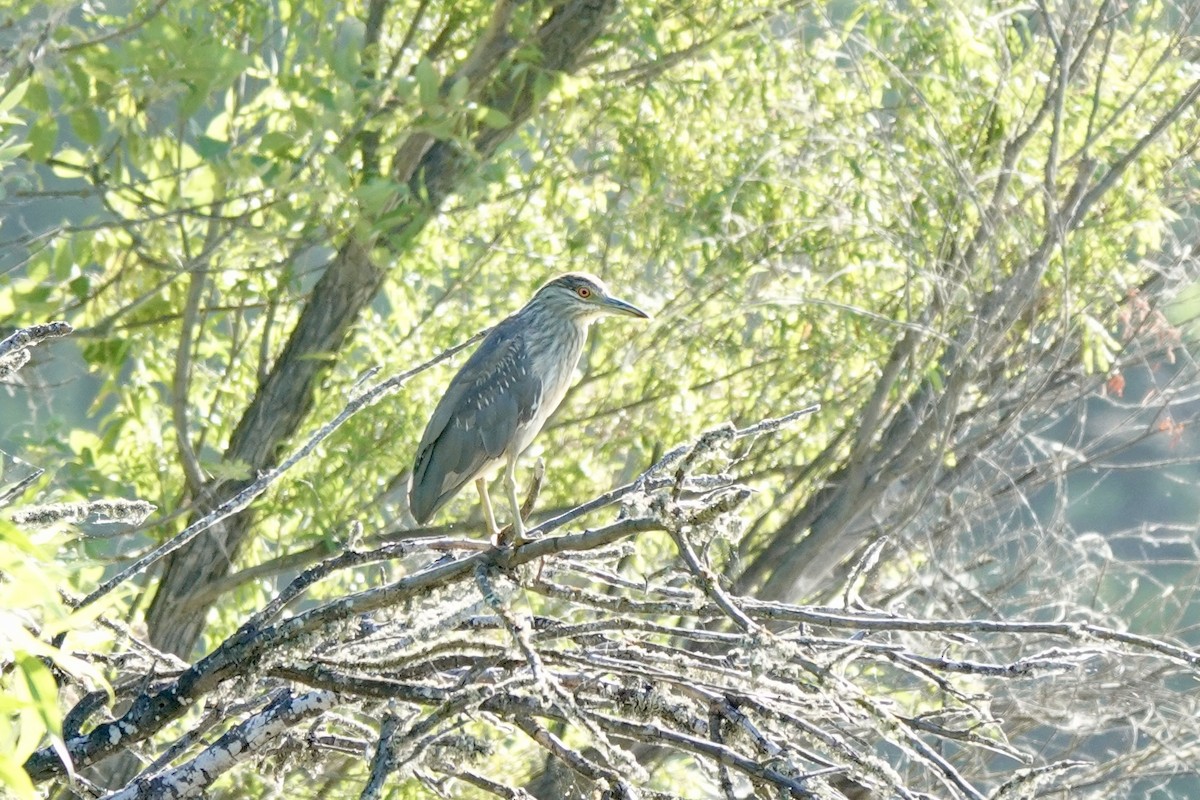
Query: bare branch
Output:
(240,743)
(247,495)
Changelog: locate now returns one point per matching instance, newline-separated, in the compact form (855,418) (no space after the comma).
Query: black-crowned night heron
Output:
(503,395)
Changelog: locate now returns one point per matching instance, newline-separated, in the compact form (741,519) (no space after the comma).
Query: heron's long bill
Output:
(621,307)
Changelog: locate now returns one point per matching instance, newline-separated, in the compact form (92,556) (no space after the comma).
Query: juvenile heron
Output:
(501,398)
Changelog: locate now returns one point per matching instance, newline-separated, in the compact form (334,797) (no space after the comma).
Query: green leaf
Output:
(43,136)
(39,684)
(14,537)
(9,101)
(14,780)
(109,354)
(36,98)
(42,689)
(11,149)
(377,195)
(194,99)
(86,125)
(495,118)
(337,171)
(80,287)
(458,90)
(211,149)
(277,142)
(542,85)
(227,470)
(428,83)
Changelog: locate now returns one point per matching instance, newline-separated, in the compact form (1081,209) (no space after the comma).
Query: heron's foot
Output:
(525,538)
(507,539)
(494,531)
(520,537)
(511,535)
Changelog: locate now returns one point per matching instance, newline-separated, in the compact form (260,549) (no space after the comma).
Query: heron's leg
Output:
(510,482)
(489,518)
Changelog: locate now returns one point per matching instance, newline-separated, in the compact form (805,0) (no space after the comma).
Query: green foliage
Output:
(32,613)
(823,166)
(790,190)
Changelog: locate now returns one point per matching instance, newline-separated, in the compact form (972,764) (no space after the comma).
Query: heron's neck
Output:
(560,345)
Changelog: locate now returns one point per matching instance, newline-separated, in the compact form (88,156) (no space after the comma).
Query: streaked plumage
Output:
(505,392)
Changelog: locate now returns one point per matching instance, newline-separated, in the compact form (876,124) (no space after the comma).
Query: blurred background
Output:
(967,229)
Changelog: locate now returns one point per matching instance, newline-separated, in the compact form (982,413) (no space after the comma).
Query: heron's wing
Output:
(476,421)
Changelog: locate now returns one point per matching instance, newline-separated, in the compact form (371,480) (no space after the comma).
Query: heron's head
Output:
(581,296)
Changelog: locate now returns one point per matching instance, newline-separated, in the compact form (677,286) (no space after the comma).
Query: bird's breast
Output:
(559,357)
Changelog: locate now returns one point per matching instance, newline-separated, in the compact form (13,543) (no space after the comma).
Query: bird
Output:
(502,396)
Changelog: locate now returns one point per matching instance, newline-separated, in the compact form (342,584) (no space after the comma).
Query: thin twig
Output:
(382,762)
(243,498)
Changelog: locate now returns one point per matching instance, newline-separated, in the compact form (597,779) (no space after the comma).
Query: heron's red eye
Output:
(584,292)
